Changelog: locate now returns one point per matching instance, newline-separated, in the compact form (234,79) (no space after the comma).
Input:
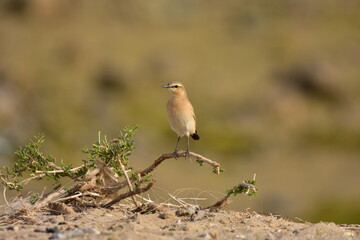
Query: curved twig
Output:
(221,203)
(4,195)
(162,158)
(128,194)
(225,200)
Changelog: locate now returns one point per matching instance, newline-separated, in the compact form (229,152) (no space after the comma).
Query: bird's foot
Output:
(187,154)
(176,154)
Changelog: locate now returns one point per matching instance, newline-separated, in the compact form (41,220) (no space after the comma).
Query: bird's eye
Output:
(176,86)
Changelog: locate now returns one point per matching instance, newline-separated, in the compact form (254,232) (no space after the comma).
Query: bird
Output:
(181,114)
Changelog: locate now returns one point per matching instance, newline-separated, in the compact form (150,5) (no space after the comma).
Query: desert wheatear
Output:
(181,114)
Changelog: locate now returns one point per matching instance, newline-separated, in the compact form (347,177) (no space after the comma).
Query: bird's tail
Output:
(195,136)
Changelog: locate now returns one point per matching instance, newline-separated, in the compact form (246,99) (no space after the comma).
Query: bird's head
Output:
(175,88)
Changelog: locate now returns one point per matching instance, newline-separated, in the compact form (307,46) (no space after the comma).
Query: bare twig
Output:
(147,200)
(128,194)
(7,183)
(202,159)
(4,195)
(60,170)
(26,181)
(92,194)
(159,205)
(178,201)
(219,204)
(193,199)
(53,165)
(137,204)
(48,199)
(44,173)
(68,198)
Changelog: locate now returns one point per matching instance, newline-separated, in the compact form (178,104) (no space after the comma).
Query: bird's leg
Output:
(176,148)
(187,154)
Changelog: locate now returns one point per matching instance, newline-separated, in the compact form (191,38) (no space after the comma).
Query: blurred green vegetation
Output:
(339,210)
(275,86)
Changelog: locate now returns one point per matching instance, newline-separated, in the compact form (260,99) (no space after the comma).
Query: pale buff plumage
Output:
(181,113)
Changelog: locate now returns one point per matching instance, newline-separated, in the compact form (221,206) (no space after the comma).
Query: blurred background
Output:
(275,86)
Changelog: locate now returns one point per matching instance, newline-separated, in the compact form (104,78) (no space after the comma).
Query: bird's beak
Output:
(166,86)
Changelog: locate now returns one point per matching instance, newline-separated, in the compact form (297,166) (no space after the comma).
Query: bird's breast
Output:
(181,116)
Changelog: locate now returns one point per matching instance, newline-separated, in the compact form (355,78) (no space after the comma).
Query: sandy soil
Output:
(117,223)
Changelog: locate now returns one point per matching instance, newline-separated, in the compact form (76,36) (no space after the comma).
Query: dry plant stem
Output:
(221,203)
(55,166)
(202,159)
(68,198)
(149,201)
(56,189)
(185,204)
(164,157)
(25,181)
(48,199)
(4,195)
(8,183)
(128,194)
(224,200)
(92,194)
(178,201)
(60,170)
(78,195)
(137,204)
(43,173)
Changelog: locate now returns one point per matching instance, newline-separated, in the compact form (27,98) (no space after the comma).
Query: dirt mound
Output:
(117,223)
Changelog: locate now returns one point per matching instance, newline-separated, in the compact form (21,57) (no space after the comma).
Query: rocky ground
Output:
(117,223)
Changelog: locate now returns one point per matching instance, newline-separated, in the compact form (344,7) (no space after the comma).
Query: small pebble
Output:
(165,215)
(52,229)
(77,232)
(13,228)
(185,228)
(205,236)
(182,212)
(241,236)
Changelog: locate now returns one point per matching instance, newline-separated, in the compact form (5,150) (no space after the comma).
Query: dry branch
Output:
(225,200)
(162,158)
(101,183)
(219,204)
(137,204)
(59,170)
(128,194)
